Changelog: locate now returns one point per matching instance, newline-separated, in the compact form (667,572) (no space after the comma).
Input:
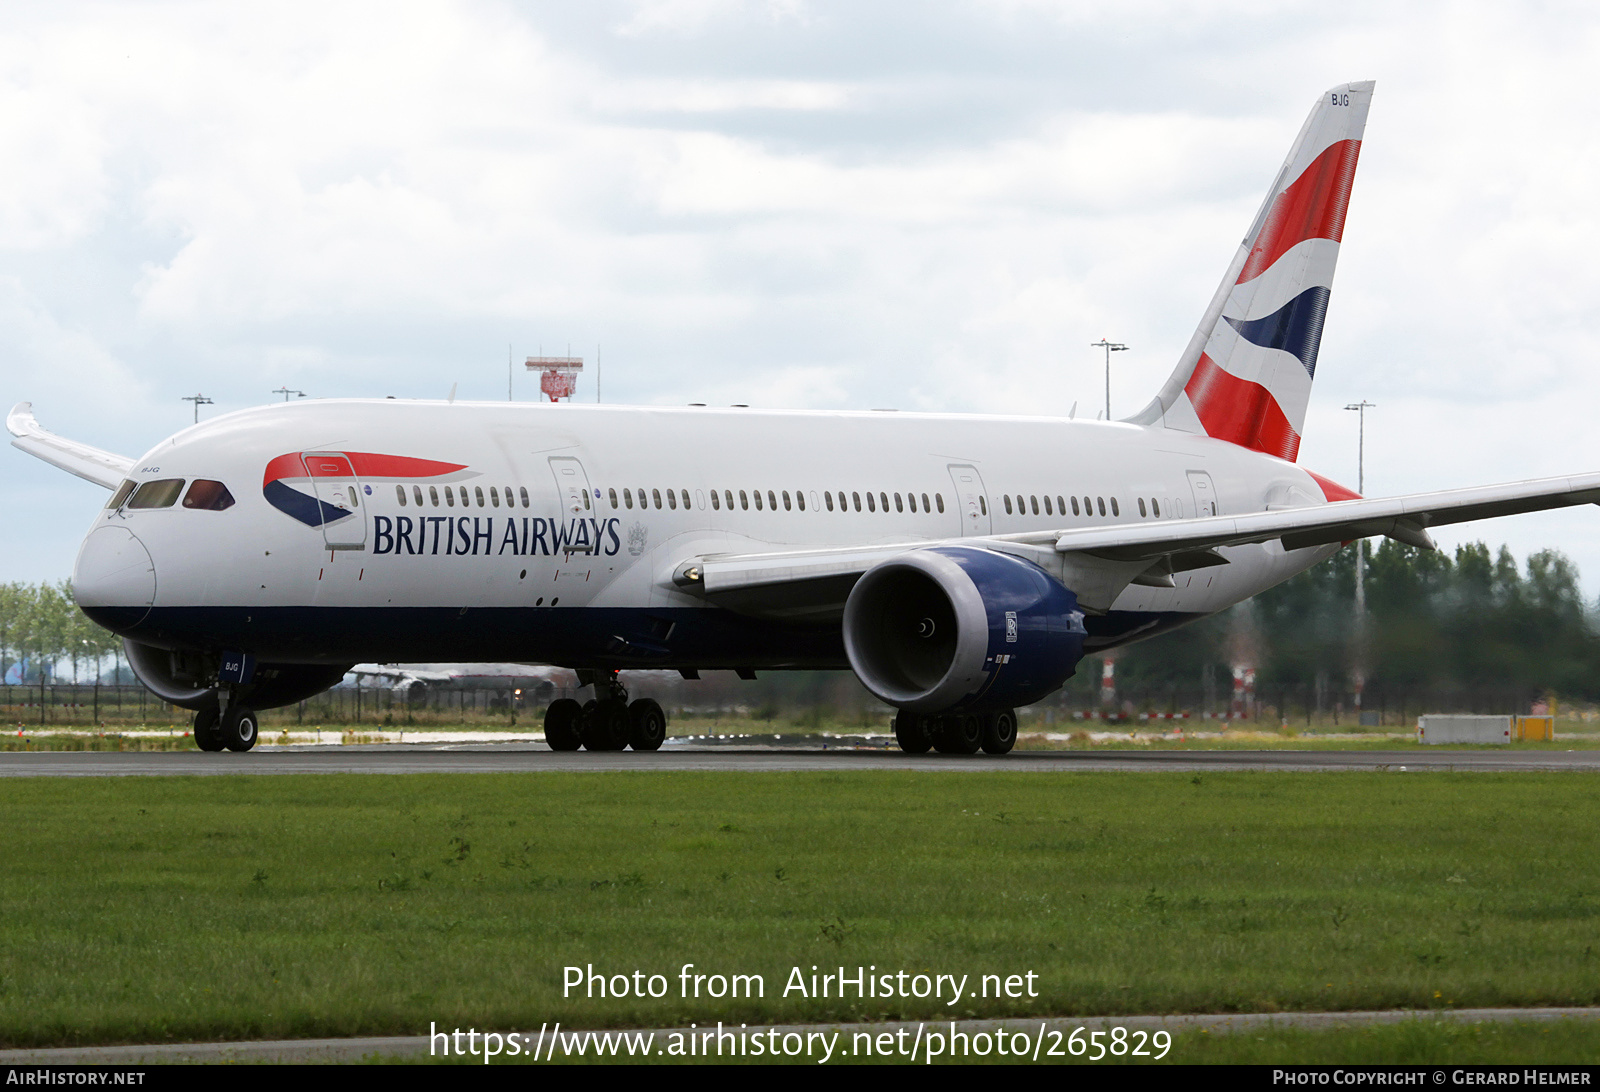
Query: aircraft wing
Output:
(1099,562)
(89,463)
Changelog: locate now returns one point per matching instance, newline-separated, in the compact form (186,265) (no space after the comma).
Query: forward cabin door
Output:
(577,504)
(971,501)
(1205,494)
(344,516)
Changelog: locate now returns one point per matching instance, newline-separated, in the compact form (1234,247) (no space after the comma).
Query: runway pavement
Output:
(526,757)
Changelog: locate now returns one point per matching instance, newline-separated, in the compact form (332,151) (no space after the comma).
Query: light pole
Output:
(1110,347)
(198,400)
(1361,409)
(286,392)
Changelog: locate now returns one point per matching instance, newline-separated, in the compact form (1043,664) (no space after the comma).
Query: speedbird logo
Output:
(319,488)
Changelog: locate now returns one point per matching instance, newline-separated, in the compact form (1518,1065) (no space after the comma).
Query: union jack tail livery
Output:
(1246,374)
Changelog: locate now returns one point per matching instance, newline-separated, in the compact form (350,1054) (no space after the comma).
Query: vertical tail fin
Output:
(1246,374)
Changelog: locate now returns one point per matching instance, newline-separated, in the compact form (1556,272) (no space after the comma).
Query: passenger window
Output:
(494,497)
(983,505)
(800,499)
(214,496)
(656,496)
(871,505)
(1088,507)
(772,501)
(522,491)
(1115,511)
(744,501)
(1102,501)
(883,501)
(399,492)
(925,507)
(1008,503)
(1141,507)
(433,495)
(911,501)
(416,494)
(1033,502)
(614,504)
(827,496)
(938,499)
(158,494)
(757,492)
(857,498)
(1155,504)
(1061,506)
(121,494)
(727,498)
(627,497)
(716,501)
(586,500)
(478,491)
(449,496)
(897,505)
(463,495)
(354,503)
(672,500)
(684,493)
(1047,510)
(1074,505)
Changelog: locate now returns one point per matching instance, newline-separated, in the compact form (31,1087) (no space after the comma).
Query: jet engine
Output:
(188,679)
(955,627)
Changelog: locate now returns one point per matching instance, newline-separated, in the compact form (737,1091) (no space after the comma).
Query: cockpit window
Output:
(157,494)
(209,495)
(121,494)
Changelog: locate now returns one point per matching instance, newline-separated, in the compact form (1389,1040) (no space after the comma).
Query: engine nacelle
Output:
(188,679)
(955,627)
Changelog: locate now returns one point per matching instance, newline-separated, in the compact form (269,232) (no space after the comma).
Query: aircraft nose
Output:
(114,580)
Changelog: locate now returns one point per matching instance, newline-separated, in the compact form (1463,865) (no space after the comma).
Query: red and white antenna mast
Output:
(560,374)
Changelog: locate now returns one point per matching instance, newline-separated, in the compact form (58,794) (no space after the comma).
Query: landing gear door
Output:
(344,515)
(971,501)
(1205,494)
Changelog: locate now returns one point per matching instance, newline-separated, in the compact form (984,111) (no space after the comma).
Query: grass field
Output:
(148,909)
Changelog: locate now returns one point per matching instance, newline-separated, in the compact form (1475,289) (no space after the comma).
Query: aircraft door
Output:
(1205,494)
(572,486)
(971,501)
(334,481)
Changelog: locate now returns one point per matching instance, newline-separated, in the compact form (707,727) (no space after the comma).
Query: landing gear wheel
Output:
(561,725)
(959,734)
(605,725)
(239,728)
(999,732)
(647,725)
(911,732)
(206,736)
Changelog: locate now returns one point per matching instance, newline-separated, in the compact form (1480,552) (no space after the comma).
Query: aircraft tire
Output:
(605,725)
(561,725)
(999,732)
(959,734)
(647,725)
(913,732)
(206,735)
(240,728)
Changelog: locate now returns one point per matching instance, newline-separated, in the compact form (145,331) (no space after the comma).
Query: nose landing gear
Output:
(609,722)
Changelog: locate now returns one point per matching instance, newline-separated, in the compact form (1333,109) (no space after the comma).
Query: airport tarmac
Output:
(746,757)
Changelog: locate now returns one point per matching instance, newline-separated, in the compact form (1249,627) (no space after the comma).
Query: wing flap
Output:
(90,463)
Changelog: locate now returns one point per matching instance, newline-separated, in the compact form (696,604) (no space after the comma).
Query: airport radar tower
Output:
(560,374)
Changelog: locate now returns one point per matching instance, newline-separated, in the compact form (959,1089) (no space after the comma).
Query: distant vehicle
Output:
(414,683)
(960,565)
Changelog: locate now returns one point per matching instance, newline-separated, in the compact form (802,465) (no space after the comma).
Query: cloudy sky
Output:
(930,205)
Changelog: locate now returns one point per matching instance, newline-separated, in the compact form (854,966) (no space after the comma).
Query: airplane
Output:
(413,683)
(960,564)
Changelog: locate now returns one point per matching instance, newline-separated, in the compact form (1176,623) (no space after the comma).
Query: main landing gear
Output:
(609,722)
(226,724)
(994,732)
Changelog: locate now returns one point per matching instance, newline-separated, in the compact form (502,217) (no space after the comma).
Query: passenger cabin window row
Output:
(452,492)
(1030,505)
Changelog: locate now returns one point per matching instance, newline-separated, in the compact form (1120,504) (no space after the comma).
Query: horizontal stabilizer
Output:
(89,463)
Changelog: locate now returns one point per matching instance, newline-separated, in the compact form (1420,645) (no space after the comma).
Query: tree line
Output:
(41,624)
(1474,622)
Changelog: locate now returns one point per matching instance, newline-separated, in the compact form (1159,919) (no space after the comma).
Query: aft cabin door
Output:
(971,501)
(344,515)
(1205,494)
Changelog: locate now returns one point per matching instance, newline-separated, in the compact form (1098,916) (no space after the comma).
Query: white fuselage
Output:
(578,515)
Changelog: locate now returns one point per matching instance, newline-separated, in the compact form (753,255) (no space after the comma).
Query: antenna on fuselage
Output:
(1073,412)
(452,393)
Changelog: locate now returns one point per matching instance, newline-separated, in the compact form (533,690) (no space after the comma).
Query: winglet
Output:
(90,463)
